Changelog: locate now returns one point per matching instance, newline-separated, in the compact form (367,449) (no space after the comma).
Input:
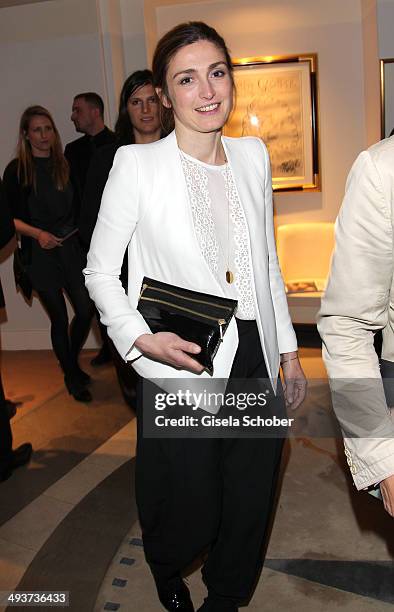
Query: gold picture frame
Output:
(276,100)
(387,96)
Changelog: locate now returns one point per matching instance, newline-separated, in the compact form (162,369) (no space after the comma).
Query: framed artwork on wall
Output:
(276,100)
(387,96)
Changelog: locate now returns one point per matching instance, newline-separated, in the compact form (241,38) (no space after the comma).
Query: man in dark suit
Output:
(9,459)
(88,118)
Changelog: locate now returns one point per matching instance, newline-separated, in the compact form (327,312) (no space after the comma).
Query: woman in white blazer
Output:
(195,211)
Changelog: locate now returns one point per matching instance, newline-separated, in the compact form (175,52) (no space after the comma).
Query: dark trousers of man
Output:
(5,433)
(215,494)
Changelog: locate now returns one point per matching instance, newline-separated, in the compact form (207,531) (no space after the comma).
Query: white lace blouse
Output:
(220,227)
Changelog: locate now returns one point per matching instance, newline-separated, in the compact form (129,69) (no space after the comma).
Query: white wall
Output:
(134,47)
(386,51)
(385,10)
(333,30)
(371,71)
(48,52)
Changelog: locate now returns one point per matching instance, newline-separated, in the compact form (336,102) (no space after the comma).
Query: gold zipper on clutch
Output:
(221,322)
(182,297)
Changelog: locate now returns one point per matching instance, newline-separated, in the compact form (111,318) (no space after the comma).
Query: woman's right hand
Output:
(171,349)
(47,240)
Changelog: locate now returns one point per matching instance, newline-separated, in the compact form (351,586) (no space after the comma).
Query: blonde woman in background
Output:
(39,191)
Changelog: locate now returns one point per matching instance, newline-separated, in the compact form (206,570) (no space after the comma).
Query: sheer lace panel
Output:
(215,203)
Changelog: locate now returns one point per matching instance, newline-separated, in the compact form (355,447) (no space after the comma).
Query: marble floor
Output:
(68,521)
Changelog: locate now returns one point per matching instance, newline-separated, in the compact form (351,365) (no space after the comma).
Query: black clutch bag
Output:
(197,317)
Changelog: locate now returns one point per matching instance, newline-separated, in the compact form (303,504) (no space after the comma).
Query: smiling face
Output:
(200,88)
(41,135)
(143,110)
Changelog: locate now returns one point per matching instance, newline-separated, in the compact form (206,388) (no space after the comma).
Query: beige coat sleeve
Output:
(354,307)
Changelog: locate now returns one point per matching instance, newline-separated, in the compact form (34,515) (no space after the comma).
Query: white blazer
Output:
(145,207)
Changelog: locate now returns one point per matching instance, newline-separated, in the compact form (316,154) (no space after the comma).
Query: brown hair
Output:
(26,171)
(123,127)
(181,36)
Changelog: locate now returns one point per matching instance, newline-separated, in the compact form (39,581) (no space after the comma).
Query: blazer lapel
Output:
(251,195)
(245,188)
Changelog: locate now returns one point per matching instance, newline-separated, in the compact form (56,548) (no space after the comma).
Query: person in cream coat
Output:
(189,208)
(357,303)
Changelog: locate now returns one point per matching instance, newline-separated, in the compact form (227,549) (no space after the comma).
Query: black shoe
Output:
(83,376)
(77,389)
(210,605)
(20,456)
(11,407)
(83,395)
(102,358)
(175,596)
(6,473)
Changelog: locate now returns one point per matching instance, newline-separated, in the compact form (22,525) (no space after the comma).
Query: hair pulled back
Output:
(181,36)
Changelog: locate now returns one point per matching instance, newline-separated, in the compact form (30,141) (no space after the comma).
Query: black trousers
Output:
(127,376)
(5,433)
(194,494)
(67,341)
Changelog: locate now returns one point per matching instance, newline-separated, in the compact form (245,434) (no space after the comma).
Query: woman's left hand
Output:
(387,490)
(294,382)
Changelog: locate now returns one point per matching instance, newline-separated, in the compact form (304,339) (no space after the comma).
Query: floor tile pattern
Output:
(69,520)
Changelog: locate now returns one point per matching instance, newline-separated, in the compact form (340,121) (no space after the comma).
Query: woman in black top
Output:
(41,196)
